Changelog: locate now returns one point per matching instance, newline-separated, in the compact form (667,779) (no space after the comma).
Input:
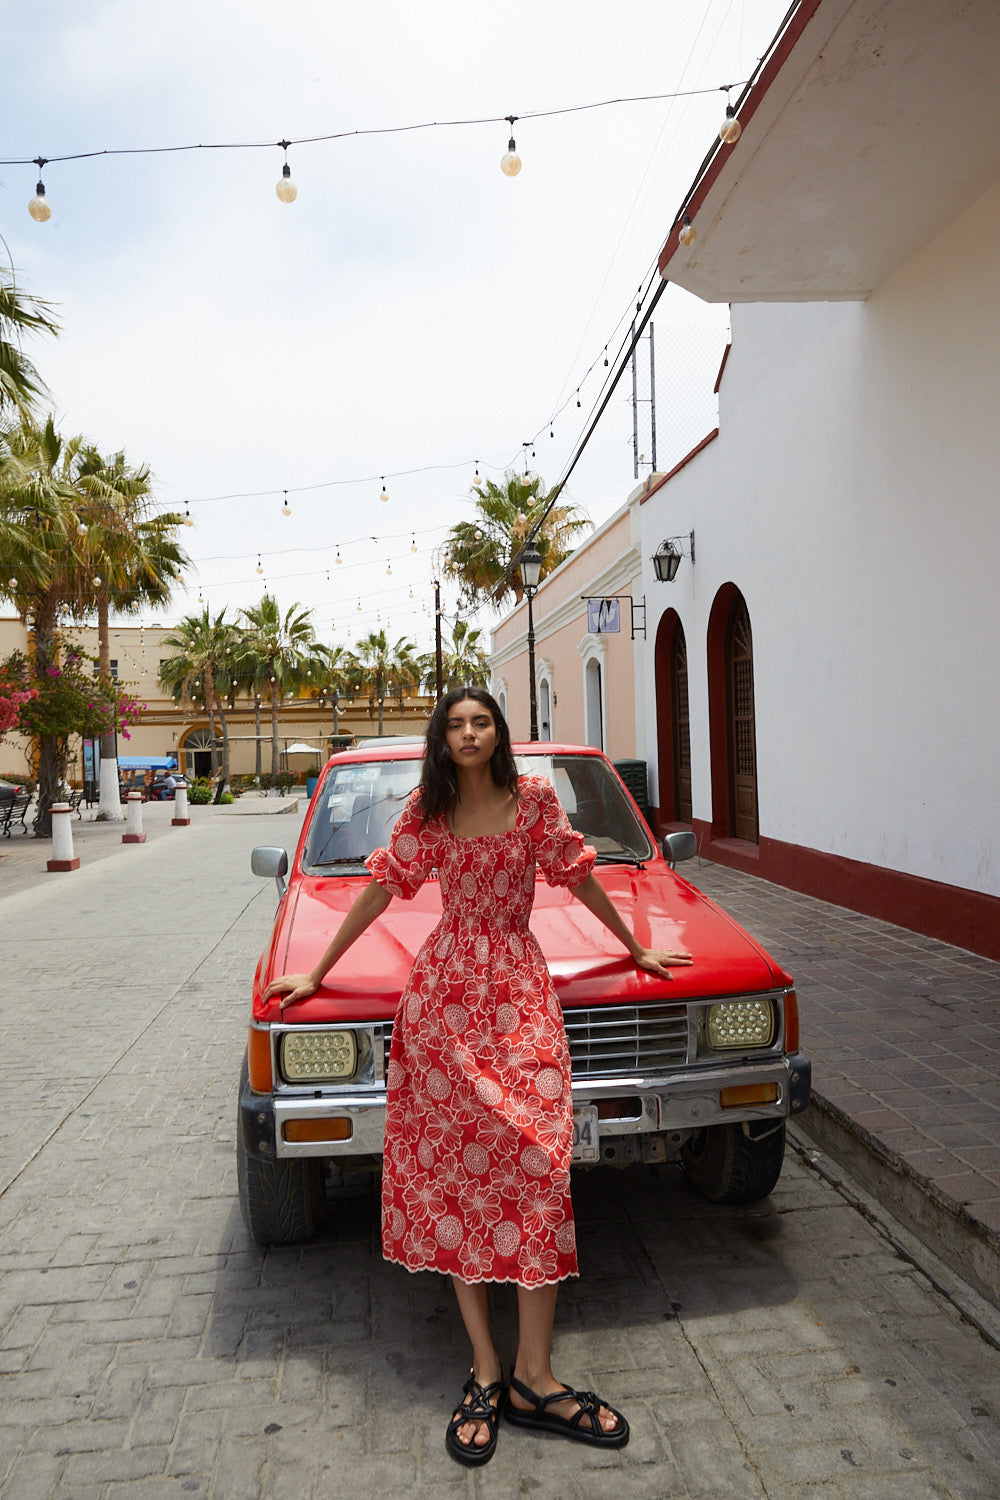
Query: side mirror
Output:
(270,862)
(677,846)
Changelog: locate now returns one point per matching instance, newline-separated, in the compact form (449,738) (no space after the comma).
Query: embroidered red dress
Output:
(479,1127)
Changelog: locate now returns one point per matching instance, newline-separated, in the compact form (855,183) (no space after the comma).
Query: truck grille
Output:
(613,1039)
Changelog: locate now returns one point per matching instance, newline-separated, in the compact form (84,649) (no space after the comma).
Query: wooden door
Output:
(742,730)
(681,723)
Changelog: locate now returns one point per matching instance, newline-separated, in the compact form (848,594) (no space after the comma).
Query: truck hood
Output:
(588,965)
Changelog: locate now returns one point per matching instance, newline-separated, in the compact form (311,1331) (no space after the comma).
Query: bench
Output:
(74,799)
(12,812)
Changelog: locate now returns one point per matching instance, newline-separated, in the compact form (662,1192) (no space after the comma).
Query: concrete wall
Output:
(851,497)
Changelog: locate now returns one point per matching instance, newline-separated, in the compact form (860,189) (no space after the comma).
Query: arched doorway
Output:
(593,693)
(673,721)
(732,718)
(199,753)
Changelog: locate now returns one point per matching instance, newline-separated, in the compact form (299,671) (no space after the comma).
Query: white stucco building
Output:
(820,681)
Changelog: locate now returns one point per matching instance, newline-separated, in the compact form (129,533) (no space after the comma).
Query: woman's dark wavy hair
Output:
(438,780)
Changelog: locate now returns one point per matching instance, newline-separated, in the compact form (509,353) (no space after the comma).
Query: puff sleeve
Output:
(402,868)
(560,852)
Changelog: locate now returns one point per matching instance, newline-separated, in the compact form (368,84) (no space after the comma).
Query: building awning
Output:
(145,762)
(869,127)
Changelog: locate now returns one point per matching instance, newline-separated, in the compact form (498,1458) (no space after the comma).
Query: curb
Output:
(946,1227)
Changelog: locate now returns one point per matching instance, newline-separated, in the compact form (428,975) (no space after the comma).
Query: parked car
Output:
(704,1068)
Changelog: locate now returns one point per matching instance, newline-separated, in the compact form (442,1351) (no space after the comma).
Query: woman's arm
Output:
(370,904)
(596,899)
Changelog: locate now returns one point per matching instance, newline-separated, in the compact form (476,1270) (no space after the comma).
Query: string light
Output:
(81,528)
(385,493)
(477,478)
(39,207)
(730,130)
(688,234)
(260,568)
(286,509)
(510,162)
(413,543)
(338,559)
(187,516)
(285,188)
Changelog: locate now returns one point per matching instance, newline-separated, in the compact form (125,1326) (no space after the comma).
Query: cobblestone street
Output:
(149,1349)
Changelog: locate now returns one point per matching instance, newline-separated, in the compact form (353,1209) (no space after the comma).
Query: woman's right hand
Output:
(292,987)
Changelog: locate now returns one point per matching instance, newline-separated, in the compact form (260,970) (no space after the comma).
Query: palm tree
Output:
(480,555)
(381,665)
(463,660)
(281,649)
(205,655)
(48,573)
(336,678)
(20,384)
(135,559)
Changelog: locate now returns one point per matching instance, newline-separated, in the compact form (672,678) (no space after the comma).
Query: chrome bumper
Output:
(647,1106)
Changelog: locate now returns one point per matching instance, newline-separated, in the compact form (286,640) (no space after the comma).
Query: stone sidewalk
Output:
(904,1036)
(149,1349)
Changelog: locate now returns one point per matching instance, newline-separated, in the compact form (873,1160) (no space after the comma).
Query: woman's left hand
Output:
(661,960)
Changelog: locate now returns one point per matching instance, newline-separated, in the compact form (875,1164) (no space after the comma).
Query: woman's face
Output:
(470,733)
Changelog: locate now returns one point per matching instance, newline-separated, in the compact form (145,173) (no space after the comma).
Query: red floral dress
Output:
(479,1126)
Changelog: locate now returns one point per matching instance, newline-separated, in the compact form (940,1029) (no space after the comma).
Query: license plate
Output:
(586,1146)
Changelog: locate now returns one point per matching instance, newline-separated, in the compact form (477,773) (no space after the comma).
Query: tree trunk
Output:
(256,720)
(46,651)
(224,773)
(275,699)
(109,807)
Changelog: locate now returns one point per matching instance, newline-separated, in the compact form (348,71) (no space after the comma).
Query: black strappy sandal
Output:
(584,1425)
(477,1407)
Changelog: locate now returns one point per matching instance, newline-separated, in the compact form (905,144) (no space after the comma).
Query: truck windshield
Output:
(357,806)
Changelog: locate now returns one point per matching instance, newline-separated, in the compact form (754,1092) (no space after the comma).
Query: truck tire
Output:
(281,1201)
(735,1163)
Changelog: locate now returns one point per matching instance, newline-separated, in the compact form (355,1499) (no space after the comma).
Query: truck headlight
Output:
(738,1024)
(318,1056)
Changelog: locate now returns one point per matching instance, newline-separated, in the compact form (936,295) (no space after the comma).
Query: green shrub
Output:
(199,792)
(227,797)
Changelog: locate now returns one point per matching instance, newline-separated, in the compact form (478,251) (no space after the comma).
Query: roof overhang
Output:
(869,126)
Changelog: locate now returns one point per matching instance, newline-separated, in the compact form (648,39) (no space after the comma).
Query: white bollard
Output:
(133,820)
(180,818)
(62,839)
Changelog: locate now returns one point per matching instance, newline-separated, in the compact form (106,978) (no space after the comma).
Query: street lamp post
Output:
(530,564)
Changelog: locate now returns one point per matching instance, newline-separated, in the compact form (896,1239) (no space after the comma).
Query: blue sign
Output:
(603,616)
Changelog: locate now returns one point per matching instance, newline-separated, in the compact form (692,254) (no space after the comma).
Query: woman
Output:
(479,1126)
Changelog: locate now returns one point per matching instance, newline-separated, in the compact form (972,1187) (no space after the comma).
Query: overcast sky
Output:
(413,312)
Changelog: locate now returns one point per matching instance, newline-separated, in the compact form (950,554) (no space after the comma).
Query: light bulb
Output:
(510,162)
(388,571)
(12,583)
(730,130)
(259,568)
(359,605)
(338,559)
(285,188)
(385,493)
(413,544)
(97,581)
(38,207)
(187,517)
(477,478)
(81,527)
(688,234)
(286,509)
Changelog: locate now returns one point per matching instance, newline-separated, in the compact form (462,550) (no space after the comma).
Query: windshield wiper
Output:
(621,859)
(345,859)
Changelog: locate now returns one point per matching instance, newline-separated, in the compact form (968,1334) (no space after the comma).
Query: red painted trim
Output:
(725,356)
(58,865)
(180,822)
(748,109)
(133,838)
(950,913)
(666,478)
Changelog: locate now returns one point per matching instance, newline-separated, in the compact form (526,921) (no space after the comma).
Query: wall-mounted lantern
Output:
(667,557)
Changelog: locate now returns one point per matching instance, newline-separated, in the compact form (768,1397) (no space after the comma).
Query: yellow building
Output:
(166,729)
